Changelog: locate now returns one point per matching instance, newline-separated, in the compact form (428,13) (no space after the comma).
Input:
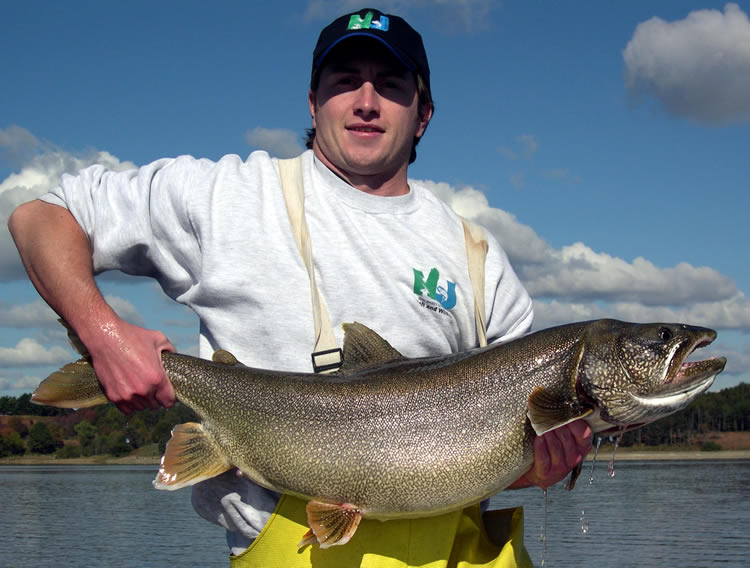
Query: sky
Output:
(605,144)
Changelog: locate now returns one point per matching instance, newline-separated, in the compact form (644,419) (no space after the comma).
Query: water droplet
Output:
(584,523)
(593,460)
(616,442)
(543,532)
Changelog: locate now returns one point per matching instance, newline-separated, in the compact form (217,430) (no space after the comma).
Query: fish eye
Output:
(665,334)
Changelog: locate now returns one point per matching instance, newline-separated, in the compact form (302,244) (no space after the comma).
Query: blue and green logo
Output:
(356,22)
(431,287)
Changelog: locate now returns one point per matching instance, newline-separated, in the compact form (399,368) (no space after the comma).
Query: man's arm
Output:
(56,254)
(555,454)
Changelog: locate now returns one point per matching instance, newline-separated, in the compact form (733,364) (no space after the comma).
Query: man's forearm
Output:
(56,254)
(57,257)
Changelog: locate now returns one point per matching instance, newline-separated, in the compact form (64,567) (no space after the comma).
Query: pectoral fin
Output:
(191,456)
(547,411)
(330,524)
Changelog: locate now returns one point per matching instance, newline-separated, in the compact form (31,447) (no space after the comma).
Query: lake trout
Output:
(389,437)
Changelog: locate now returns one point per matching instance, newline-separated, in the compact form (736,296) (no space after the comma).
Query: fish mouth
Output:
(681,382)
(691,379)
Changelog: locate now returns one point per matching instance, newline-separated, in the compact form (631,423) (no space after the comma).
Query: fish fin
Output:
(364,348)
(330,524)
(574,473)
(74,340)
(225,358)
(548,411)
(192,455)
(308,538)
(72,386)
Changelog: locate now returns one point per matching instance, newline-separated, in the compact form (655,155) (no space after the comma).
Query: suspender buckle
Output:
(327,360)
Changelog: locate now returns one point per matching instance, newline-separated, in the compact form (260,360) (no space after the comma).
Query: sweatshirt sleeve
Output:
(509,308)
(138,221)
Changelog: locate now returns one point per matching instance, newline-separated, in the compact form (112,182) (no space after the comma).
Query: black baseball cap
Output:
(392,31)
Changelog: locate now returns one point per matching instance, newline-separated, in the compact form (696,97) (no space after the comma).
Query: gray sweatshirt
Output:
(217,238)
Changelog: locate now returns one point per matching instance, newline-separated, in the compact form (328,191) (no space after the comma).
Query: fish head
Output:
(634,374)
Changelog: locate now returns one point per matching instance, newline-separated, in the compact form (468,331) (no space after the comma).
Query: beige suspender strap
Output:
(476,253)
(327,355)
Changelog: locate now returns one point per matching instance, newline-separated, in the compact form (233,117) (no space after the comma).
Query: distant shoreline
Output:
(605,453)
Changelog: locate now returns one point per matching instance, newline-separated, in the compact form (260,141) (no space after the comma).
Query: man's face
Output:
(365,113)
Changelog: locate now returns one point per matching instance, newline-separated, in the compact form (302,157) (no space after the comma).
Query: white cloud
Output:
(38,314)
(276,141)
(29,353)
(738,361)
(42,172)
(20,384)
(17,145)
(529,145)
(525,147)
(576,283)
(733,313)
(698,68)
(578,272)
(125,310)
(34,314)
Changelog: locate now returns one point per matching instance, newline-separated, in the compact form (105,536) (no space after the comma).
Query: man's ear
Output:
(423,118)
(311,105)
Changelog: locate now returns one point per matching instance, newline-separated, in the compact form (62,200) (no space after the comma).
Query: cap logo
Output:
(367,23)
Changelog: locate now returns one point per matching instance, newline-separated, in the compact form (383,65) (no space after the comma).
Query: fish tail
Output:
(73,386)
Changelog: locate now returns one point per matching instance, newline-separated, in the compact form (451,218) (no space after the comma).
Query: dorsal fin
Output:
(225,358)
(365,348)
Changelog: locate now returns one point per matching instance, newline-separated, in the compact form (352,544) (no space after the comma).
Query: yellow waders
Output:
(456,539)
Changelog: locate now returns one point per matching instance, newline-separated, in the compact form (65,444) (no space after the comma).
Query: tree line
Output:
(105,430)
(85,432)
(727,410)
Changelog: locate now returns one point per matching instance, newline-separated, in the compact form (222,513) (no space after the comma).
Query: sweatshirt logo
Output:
(433,293)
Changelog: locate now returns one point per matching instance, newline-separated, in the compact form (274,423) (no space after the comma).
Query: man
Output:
(217,237)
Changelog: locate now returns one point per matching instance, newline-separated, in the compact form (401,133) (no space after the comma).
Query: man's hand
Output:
(127,361)
(555,454)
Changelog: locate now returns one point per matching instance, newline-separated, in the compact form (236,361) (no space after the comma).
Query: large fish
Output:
(392,437)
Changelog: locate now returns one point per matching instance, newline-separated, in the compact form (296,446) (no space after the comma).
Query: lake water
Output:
(650,514)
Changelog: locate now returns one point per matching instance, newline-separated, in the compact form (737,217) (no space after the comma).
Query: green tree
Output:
(41,440)
(86,433)
(136,432)
(7,405)
(117,444)
(12,445)
(112,421)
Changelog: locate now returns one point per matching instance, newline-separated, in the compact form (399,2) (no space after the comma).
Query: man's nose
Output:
(367,101)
